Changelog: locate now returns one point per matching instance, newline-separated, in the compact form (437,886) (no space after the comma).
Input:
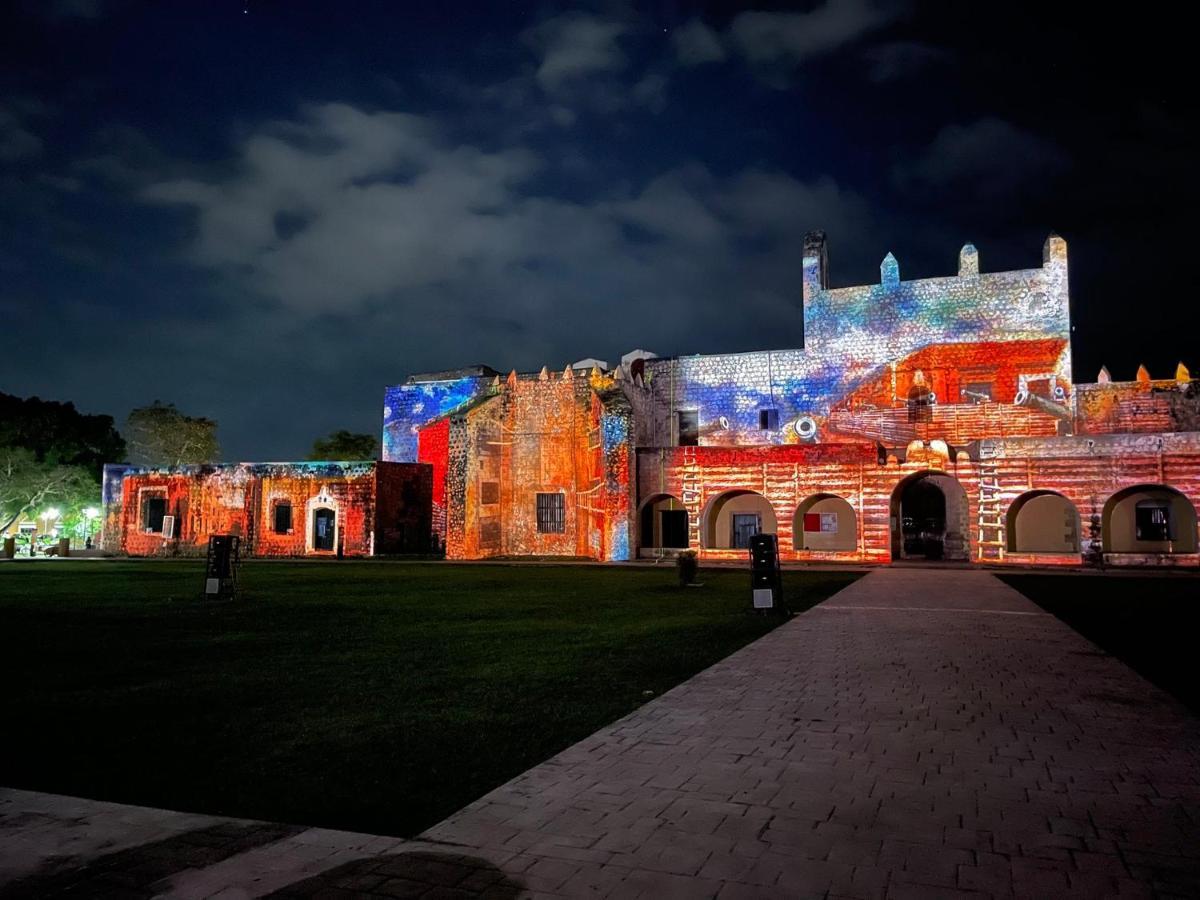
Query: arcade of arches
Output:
(929,519)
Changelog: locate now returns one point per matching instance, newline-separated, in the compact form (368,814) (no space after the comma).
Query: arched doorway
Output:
(733,517)
(322,528)
(324,524)
(1149,518)
(929,518)
(825,522)
(663,524)
(1042,522)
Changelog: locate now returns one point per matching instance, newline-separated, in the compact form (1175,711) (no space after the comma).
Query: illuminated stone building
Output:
(277,509)
(934,418)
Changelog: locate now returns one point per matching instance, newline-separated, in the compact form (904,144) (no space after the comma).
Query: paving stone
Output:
(923,733)
(940,730)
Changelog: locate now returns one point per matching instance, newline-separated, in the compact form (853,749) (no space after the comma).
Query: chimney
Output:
(816,263)
(816,266)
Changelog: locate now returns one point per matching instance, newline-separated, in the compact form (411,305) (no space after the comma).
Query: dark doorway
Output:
(674,528)
(283,517)
(745,526)
(689,428)
(323,525)
(155,512)
(923,520)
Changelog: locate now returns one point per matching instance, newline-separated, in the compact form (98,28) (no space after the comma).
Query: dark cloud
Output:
(63,11)
(462,221)
(988,159)
(695,44)
(123,157)
(77,9)
(575,46)
(17,141)
(901,59)
(651,91)
(780,41)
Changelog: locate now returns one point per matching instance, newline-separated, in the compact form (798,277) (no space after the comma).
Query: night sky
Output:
(266,211)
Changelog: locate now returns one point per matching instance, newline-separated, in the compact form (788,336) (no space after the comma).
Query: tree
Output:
(59,434)
(160,435)
(28,486)
(345,445)
(51,455)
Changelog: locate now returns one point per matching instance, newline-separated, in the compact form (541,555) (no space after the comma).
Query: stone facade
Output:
(934,418)
(278,509)
(539,465)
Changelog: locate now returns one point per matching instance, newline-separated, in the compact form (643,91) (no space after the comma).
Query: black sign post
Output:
(220,575)
(766,582)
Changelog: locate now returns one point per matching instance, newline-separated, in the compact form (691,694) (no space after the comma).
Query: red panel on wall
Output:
(433,447)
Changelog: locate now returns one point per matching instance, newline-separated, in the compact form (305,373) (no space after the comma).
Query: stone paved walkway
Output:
(922,733)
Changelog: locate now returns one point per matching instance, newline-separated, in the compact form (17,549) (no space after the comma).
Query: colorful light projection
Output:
(279,509)
(995,336)
(959,384)
(559,443)
(406,407)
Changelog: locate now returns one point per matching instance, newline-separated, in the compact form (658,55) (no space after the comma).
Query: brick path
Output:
(921,733)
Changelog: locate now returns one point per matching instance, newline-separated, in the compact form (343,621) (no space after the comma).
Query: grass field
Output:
(372,696)
(1149,622)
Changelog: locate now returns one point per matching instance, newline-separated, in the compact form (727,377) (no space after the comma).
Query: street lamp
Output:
(48,516)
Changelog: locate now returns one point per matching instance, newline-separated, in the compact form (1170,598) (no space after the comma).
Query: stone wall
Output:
(986,323)
(564,436)
(407,407)
(966,376)
(389,502)
(403,517)
(1086,471)
(1132,407)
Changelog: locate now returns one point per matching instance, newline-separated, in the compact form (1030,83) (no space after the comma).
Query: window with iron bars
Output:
(551,513)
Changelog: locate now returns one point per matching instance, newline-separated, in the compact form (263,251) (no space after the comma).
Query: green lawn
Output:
(376,696)
(1149,622)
